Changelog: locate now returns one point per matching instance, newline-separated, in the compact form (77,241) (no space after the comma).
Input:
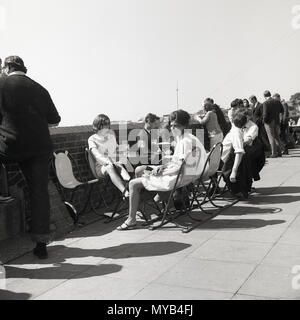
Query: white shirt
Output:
(105,144)
(233,139)
(250,131)
(19,73)
(230,115)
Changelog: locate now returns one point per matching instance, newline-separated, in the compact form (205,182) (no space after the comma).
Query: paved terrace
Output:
(247,252)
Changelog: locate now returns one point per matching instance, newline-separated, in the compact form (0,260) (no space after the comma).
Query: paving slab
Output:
(165,292)
(232,251)
(92,288)
(271,281)
(210,275)
(283,255)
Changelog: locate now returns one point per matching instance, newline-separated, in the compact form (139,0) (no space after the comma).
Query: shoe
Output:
(273,156)
(41,251)
(125,226)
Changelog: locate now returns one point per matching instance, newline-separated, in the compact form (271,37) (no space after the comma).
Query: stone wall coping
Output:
(88,128)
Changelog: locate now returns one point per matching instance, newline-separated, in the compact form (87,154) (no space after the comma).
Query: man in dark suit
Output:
(26,112)
(272,115)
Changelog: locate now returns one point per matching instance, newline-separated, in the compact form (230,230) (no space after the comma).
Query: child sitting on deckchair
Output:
(103,146)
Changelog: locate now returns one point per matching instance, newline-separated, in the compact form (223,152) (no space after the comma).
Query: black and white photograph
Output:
(150,153)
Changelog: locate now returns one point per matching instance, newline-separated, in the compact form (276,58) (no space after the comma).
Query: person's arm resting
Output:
(251,135)
(237,161)
(237,144)
(204,120)
(99,158)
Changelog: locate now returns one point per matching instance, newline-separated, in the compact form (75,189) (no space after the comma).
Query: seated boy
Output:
(236,170)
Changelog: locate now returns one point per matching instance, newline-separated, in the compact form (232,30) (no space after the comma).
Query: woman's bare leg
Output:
(116,180)
(135,188)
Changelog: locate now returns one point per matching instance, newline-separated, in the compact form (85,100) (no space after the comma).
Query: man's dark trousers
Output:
(35,170)
(273,132)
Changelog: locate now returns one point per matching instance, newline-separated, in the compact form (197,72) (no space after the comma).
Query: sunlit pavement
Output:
(250,251)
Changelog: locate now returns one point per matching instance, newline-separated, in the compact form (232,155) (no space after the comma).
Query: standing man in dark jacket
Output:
(284,125)
(272,115)
(26,112)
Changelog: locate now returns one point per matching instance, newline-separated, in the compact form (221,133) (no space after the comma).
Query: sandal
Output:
(126,226)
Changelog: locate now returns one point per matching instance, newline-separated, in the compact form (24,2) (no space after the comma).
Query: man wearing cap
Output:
(272,115)
(26,112)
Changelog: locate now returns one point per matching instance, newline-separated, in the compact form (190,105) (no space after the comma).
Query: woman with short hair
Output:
(103,146)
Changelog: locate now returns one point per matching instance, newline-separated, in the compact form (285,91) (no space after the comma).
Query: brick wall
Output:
(73,139)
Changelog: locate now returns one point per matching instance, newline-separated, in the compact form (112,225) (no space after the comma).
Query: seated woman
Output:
(103,146)
(163,178)
(236,168)
(210,120)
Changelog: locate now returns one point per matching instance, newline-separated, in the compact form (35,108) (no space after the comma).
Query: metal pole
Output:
(177,90)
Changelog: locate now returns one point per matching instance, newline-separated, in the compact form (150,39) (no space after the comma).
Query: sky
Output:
(125,57)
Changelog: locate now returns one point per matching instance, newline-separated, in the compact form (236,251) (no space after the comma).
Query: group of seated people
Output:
(242,158)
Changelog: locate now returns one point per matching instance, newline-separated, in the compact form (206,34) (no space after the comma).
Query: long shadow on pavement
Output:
(61,269)
(278,190)
(277,199)
(242,211)
(9,295)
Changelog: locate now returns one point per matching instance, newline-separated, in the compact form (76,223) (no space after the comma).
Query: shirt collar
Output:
(18,73)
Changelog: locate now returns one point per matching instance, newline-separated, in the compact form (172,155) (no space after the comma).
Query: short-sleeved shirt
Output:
(234,139)
(105,144)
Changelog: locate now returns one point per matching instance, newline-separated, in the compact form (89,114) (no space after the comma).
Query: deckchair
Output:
(68,184)
(102,181)
(208,182)
(205,189)
(183,181)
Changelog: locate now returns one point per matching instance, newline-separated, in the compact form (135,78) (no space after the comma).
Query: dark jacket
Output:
(258,114)
(272,108)
(26,110)
(286,113)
